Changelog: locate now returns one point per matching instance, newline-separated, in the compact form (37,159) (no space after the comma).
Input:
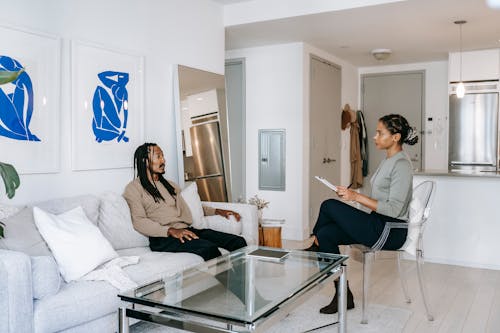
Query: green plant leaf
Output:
(10,179)
(9,76)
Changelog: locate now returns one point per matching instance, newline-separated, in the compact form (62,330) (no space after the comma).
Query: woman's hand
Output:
(346,194)
(182,234)
(227,214)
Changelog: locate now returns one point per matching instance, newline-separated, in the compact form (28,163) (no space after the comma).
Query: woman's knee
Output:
(329,204)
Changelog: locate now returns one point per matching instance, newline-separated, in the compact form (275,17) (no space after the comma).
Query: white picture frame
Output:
(92,67)
(32,143)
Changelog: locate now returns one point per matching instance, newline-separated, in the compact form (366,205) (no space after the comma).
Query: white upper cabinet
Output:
(203,103)
(476,65)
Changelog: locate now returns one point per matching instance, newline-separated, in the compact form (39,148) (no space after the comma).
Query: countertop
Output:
(461,173)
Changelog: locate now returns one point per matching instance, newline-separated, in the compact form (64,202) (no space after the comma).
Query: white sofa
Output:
(34,297)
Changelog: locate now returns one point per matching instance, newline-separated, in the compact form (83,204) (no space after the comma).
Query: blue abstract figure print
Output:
(110,109)
(16,103)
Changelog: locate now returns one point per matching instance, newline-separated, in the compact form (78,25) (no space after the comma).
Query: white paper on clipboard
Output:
(326,182)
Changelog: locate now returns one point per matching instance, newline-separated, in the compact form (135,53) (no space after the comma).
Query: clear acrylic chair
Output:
(420,207)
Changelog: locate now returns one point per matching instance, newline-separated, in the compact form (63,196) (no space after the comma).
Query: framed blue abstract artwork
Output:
(29,106)
(107,106)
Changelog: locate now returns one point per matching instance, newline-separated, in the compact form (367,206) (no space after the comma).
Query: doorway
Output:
(385,93)
(235,95)
(324,143)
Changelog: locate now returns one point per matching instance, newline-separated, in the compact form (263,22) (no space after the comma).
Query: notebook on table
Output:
(269,254)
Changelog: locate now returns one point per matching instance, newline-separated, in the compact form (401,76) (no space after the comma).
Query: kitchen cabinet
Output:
(480,65)
(203,103)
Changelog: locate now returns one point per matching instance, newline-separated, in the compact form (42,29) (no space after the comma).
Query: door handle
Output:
(328,160)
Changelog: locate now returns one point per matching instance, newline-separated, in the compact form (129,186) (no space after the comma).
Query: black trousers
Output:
(205,246)
(341,224)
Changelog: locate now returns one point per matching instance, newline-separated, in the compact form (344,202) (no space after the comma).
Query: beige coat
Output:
(356,162)
(153,219)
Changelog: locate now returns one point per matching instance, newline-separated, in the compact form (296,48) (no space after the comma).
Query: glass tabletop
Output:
(238,286)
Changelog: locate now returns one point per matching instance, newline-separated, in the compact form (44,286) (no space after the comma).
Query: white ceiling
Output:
(415,30)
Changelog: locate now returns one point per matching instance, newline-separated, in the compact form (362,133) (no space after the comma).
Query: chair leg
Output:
(402,278)
(421,282)
(367,262)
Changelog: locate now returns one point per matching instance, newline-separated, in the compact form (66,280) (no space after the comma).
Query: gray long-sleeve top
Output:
(392,185)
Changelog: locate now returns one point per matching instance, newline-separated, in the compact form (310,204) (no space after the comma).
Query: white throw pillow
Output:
(220,223)
(193,201)
(76,243)
(416,213)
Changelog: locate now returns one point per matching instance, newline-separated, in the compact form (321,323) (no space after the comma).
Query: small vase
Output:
(259,216)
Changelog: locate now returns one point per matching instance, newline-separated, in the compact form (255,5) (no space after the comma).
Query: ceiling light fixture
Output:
(381,54)
(460,86)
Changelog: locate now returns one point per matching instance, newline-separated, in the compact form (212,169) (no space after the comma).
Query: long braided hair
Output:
(142,156)
(396,123)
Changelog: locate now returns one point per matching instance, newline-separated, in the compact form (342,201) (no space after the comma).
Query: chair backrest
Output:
(420,209)
(424,192)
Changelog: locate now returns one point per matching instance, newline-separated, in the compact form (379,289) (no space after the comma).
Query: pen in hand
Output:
(349,185)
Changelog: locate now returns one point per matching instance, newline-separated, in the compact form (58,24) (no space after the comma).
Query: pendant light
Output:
(460,86)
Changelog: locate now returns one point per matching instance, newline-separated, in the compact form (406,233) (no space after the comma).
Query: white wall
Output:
(165,32)
(277,90)
(274,99)
(436,106)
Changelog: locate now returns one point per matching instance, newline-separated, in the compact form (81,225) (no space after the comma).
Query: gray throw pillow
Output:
(115,223)
(89,203)
(46,277)
(21,234)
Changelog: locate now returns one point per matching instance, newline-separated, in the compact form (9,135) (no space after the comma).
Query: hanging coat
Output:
(356,162)
(363,141)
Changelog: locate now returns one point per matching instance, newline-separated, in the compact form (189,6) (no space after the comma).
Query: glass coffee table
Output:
(236,292)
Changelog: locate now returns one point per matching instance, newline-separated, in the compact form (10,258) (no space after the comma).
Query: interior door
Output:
(235,92)
(400,93)
(325,111)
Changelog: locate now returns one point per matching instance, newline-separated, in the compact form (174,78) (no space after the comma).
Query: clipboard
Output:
(326,183)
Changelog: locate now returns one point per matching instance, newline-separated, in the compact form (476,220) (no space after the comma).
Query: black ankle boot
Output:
(313,248)
(333,306)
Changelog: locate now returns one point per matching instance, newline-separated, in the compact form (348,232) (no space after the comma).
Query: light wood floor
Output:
(462,299)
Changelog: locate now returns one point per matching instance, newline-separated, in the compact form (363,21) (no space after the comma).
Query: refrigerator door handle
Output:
(469,163)
(209,176)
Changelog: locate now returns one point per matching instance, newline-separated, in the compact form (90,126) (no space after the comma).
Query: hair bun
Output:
(412,137)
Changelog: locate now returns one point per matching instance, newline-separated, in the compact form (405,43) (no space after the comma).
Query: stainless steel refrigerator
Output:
(473,130)
(207,159)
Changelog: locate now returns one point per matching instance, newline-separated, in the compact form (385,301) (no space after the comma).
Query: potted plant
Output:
(8,172)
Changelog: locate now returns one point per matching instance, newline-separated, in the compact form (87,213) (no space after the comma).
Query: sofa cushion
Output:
(77,245)
(89,203)
(220,223)
(45,275)
(115,222)
(193,201)
(22,235)
(82,301)
(8,210)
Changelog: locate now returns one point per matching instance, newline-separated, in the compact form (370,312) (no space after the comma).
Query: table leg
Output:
(123,323)
(342,300)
